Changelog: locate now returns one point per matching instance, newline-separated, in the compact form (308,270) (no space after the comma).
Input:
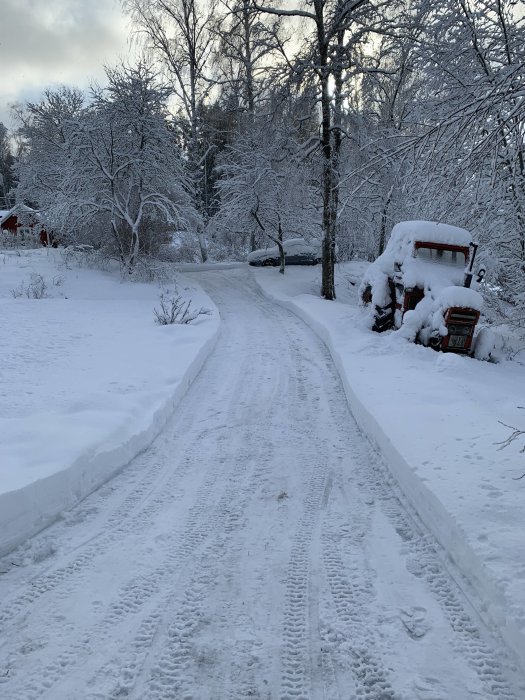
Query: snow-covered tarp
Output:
(87,380)
(437,419)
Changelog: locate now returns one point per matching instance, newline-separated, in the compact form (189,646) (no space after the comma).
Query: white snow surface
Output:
(259,548)
(437,418)
(87,379)
(406,233)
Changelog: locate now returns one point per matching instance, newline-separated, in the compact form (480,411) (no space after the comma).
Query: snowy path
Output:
(256,550)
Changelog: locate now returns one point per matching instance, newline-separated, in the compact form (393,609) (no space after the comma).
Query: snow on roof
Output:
(428,272)
(22,208)
(400,246)
(406,233)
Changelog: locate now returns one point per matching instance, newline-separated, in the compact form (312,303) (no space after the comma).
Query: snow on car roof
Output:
(292,244)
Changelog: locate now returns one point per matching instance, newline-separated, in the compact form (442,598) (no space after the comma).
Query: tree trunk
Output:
(382,227)
(281,248)
(203,248)
(329,213)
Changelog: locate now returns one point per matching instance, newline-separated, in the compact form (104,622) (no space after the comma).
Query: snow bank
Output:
(88,380)
(435,417)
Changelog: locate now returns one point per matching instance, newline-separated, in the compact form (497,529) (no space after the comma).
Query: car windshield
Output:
(457,258)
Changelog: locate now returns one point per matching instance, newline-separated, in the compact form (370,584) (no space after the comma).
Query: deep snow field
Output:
(437,418)
(87,379)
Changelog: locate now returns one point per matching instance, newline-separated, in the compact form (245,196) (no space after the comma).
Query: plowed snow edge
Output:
(34,507)
(488,600)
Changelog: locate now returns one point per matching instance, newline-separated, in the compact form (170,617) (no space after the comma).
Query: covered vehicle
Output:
(421,284)
(297,251)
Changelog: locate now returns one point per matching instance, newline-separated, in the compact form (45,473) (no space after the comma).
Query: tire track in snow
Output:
(172,670)
(424,561)
(296,652)
(203,519)
(134,513)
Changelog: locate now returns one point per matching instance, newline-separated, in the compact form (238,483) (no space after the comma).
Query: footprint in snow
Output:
(429,689)
(415,622)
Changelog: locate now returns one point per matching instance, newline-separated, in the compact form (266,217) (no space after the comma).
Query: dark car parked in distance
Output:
(297,251)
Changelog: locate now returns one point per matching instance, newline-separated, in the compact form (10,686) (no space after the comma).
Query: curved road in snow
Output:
(258,549)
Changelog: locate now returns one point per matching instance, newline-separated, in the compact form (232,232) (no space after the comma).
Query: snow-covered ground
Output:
(87,379)
(258,548)
(436,418)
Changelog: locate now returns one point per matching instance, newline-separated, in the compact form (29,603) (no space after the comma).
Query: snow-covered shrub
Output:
(174,309)
(149,269)
(85,255)
(36,288)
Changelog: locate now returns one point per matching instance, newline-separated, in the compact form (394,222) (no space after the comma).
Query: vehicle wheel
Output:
(383,319)
(435,342)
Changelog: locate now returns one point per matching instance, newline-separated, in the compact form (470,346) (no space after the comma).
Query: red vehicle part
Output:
(443,246)
(461,323)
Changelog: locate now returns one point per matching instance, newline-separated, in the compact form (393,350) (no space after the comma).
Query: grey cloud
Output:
(48,42)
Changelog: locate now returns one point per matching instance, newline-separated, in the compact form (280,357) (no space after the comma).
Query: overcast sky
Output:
(44,43)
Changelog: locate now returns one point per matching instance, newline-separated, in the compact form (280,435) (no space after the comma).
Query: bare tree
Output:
(246,54)
(177,34)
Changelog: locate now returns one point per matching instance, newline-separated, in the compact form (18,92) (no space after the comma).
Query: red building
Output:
(24,223)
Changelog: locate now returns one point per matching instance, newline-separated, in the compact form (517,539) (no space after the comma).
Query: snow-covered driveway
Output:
(257,550)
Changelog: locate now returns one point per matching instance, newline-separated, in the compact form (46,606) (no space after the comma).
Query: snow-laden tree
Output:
(267,193)
(7,174)
(118,166)
(471,55)
(329,58)
(43,150)
(125,161)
